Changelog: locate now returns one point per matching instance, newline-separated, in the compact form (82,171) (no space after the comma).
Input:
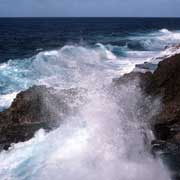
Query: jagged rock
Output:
(143,78)
(38,107)
(163,83)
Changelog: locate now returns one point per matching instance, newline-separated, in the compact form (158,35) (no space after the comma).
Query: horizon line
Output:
(88,17)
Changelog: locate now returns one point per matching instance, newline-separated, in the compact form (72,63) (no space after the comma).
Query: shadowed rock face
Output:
(165,82)
(38,107)
(144,79)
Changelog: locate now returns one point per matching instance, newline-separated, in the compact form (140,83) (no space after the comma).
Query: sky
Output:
(90,8)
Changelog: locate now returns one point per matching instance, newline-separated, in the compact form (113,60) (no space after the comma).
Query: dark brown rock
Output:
(38,107)
(164,83)
(143,78)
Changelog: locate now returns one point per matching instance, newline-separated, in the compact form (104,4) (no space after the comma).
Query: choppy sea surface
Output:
(104,140)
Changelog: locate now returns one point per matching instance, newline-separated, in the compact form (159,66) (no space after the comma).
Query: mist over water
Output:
(109,136)
(106,139)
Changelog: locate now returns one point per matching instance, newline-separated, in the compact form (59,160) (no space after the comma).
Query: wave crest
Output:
(165,31)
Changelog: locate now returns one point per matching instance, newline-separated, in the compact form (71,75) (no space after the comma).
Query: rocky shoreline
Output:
(36,108)
(164,83)
(40,107)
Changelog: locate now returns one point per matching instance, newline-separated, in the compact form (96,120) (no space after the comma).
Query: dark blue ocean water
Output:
(47,50)
(105,138)
(24,37)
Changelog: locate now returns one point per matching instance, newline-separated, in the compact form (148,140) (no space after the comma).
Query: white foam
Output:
(103,141)
(6,100)
(165,31)
(168,52)
(50,53)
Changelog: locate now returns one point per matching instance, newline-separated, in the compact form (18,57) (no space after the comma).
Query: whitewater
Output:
(109,137)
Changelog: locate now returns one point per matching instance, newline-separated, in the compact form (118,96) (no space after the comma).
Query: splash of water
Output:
(105,140)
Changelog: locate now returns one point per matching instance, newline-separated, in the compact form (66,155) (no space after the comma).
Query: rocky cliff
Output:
(163,83)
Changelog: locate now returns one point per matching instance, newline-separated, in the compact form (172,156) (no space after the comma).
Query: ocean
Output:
(84,53)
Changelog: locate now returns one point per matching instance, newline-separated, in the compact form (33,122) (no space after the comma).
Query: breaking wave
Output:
(109,138)
(155,41)
(63,68)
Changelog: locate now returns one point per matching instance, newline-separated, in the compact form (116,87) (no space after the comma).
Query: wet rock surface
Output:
(33,109)
(163,83)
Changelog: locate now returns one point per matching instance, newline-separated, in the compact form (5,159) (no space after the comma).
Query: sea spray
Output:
(104,140)
(108,138)
(59,67)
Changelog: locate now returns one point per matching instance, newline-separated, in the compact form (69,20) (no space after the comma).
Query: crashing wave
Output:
(105,52)
(105,140)
(65,67)
(155,41)
(61,68)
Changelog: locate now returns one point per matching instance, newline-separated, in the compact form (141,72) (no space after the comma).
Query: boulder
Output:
(33,109)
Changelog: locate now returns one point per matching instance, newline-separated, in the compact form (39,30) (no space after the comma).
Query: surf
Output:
(105,138)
